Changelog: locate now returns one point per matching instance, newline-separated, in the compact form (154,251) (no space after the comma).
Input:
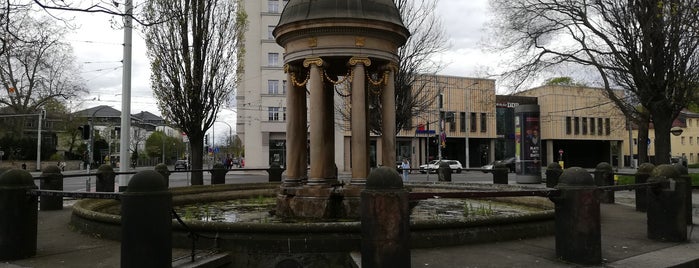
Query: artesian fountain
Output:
(315,220)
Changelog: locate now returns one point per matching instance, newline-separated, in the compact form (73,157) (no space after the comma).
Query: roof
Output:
(147,116)
(380,10)
(99,111)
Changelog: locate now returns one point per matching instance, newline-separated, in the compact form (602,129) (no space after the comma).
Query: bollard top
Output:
(16,177)
(104,169)
(665,170)
(51,170)
(553,165)
(645,168)
(147,181)
(219,166)
(384,178)
(575,176)
(604,166)
(162,169)
(681,169)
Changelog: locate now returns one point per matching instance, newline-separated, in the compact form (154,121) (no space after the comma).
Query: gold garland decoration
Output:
(377,83)
(297,83)
(347,76)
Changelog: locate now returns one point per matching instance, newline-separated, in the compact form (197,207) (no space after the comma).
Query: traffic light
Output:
(206,139)
(85,131)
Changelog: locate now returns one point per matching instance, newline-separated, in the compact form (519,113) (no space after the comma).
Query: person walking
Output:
(405,166)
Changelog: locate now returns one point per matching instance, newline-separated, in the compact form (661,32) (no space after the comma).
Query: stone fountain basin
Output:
(264,243)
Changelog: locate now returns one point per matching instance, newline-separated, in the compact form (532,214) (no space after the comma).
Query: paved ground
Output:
(623,245)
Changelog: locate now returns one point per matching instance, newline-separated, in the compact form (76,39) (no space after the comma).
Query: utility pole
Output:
(440,133)
(126,95)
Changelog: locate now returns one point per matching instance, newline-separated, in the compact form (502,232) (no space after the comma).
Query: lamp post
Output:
(42,114)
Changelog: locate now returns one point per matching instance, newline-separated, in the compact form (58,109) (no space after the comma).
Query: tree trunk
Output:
(662,123)
(196,143)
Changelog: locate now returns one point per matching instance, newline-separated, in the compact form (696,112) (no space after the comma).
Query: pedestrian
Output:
(405,166)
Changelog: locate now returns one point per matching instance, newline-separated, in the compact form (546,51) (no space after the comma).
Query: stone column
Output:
(296,133)
(328,126)
(360,140)
(318,139)
(388,123)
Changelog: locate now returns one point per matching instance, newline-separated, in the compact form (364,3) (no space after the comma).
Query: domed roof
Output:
(300,10)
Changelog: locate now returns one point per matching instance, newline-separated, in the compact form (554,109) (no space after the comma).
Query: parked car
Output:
(508,162)
(181,165)
(433,165)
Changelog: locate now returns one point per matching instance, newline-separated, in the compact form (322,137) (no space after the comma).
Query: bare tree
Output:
(193,61)
(412,95)
(646,48)
(36,66)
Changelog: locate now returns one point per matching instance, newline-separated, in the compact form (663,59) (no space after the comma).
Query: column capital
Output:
(317,61)
(356,60)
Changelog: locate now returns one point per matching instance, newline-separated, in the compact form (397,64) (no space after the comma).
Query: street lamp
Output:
(676,131)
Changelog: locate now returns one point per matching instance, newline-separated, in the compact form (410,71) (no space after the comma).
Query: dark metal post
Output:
(275,172)
(52,180)
(500,172)
(385,220)
(162,169)
(146,222)
(105,179)
(642,175)
(577,212)
(666,206)
(553,173)
(604,176)
(444,171)
(218,174)
(18,215)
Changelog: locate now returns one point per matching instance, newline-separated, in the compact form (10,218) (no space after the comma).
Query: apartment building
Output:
(684,146)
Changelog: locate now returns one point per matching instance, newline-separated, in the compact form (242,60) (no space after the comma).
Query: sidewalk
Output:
(624,244)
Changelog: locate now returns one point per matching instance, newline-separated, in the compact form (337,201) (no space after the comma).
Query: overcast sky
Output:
(98,48)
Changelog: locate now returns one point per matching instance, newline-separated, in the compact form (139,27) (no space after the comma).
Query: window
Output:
(592,126)
(462,122)
(273,113)
(607,126)
(284,113)
(682,140)
(568,125)
(273,87)
(584,125)
(576,126)
(272,59)
(451,118)
(484,122)
(691,140)
(599,126)
(273,6)
(635,141)
(473,122)
(284,86)
(270,29)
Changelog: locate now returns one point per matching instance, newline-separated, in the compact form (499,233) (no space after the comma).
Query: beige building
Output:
(683,146)
(580,122)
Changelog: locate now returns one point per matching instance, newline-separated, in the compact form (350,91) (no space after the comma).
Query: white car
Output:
(433,165)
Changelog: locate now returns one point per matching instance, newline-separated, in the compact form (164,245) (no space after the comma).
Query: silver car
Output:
(433,165)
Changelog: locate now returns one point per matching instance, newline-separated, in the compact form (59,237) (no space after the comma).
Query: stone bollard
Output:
(604,176)
(146,222)
(577,213)
(684,175)
(444,171)
(500,172)
(666,205)
(553,173)
(275,172)
(162,169)
(641,176)
(18,215)
(105,179)
(385,220)
(52,180)
(218,174)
